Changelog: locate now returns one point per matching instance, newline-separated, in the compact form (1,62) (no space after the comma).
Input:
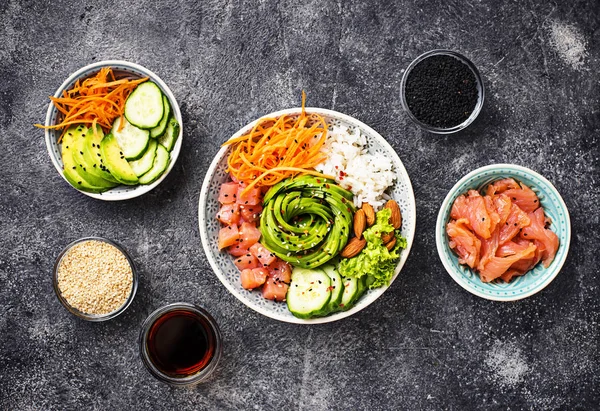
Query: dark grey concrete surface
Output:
(426,343)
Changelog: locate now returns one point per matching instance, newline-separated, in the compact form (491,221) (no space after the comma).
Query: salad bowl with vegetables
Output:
(307,215)
(113,130)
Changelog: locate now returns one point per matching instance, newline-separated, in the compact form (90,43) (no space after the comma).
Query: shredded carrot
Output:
(96,100)
(278,148)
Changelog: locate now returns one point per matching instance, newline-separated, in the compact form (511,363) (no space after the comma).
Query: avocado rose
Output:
(306,220)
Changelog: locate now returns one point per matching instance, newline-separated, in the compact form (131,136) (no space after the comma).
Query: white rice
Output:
(366,175)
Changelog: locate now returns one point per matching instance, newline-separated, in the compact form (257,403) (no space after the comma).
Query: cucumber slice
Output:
(337,288)
(114,160)
(144,106)
(350,292)
(132,140)
(362,288)
(309,292)
(144,164)
(162,126)
(92,156)
(161,162)
(170,136)
(70,170)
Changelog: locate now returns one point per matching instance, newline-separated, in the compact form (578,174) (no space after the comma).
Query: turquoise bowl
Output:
(537,278)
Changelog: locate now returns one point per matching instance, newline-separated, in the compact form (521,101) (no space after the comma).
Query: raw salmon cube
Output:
(246,261)
(229,214)
(228,236)
(264,256)
(279,270)
(252,197)
(273,290)
(237,250)
(228,193)
(253,278)
(250,213)
(249,234)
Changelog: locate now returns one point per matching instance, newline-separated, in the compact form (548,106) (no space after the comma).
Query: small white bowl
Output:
(121,192)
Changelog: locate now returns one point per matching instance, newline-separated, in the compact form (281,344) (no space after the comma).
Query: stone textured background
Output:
(426,344)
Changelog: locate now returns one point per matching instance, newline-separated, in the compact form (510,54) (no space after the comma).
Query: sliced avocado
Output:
(83,167)
(116,163)
(70,170)
(92,156)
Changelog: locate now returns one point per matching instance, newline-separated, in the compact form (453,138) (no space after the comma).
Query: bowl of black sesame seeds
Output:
(442,91)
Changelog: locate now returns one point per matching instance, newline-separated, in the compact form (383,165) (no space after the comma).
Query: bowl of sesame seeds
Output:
(94,279)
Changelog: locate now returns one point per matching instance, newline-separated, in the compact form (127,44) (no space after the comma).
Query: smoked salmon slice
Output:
(503,234)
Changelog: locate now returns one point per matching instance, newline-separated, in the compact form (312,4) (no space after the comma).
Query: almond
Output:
(354,246)
(391,244)
(360,223)
(386,238)
(369,213)
(396,218)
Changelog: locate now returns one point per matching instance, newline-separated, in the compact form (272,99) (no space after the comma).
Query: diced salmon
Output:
(229,214)
(246,261)
(228,193)
(464,242)
(252,197)
(249,234)
(537,231)
(253,278)
(517,219)
(237,250)
(499,265)
(228,236)
(274,290)
(524,197)
(265,257)
(280,270)
(250,213)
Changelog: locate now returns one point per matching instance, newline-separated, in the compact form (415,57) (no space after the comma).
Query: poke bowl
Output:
(156,145)
(223,264)
(556,219)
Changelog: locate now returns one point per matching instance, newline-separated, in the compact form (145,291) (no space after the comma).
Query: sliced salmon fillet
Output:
(464,242)
(499,265)
(503,205)
(517,219)
(524,197)
(501,186)
(538,232)
(489,247)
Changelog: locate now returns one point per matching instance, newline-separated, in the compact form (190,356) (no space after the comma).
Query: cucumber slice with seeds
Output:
(144,106)
(161,162)
(337,288)
(132,140)
(162,126)
(144,164)
(350,293)
(309,292)
(169,138)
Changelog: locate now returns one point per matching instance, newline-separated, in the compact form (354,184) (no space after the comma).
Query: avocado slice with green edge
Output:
(83,167)
(307,220)
(70,171)
(92,156)
(115,162)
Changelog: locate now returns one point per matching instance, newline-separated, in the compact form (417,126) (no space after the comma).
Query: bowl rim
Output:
(478,80)
(81,314)
(205,241)
(440,245)
(174,154)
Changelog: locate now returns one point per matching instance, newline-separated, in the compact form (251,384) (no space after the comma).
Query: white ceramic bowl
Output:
(121,192)
(537,278)
(222,263)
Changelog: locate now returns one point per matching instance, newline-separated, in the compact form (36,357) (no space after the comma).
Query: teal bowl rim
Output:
(444,252)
